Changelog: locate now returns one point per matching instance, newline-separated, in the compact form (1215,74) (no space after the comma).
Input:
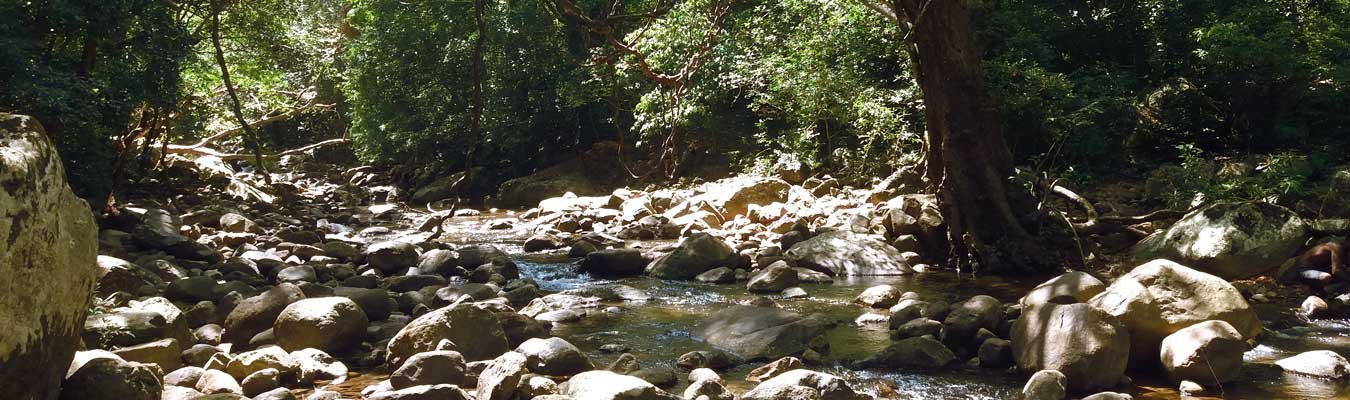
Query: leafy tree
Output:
(85,69)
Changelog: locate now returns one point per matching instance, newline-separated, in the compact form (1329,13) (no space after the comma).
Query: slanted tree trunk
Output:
(250,135)
(990,222)
(476,72)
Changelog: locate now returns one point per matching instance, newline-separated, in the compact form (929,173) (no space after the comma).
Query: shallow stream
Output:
(659,330)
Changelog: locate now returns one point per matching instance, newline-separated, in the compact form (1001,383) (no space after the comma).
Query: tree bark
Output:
(250,135)
(991,224)
(476,72)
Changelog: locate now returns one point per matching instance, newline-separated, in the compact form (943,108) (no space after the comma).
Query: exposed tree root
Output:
(1097,224)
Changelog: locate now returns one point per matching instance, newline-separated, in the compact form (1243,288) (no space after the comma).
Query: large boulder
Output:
(48,245)
(392,256)
(614,262)
(442,188)
(1209,353)
(502,376)
(476,332)
(880,296)
(1324,364)
(760,333)
(118,275)
(1071,287)
(1046,385)
(773,279)
(967,318)
(588,174)
(918,351)
(560,307)
(1087,345)
(733,196)
(846,253)
(375,303)
(1232,240)
(1162,297)
(697,254)
(109,379)
(166,353)
(249,362)
(314,364)
(606,385)
(127,327)
(430,368)
(256,314)
(802,384)
(330,324)
(554,356)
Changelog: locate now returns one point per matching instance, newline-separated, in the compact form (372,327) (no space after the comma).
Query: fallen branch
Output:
(1097,224)
(200,151)
(264,121)
(436,222)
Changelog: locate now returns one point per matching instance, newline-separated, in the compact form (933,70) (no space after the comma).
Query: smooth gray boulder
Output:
(1208,353)
(1233,240)
(1325,364)
(842,253)
(1045,385)
(760,333)
(1087,345)
(1161,297)
(803,384)
(392,256)
(327,323)
(423,392)
(918,351)
(772,279)
(430,368)
(476,332)
(606,385)
(502,377)
(554,356)
(110,379)
(696,255)
(1071,287)
(256,314)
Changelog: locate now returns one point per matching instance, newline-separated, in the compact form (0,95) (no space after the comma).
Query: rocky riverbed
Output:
(325,285)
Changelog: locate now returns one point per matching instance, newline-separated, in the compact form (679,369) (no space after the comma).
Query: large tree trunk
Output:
(991,224)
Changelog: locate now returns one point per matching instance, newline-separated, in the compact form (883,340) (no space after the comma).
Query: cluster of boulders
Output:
(1078,335)
(233,299)
(763,231)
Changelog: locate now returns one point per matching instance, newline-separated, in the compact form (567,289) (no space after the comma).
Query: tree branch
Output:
(206,151)
(1096,225)
(264,121)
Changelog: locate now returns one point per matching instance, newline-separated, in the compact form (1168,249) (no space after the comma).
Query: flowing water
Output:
(660,329)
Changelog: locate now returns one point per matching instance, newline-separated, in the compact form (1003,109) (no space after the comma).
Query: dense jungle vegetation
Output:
(1084,91)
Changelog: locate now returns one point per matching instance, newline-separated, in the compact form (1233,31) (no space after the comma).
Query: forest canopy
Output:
(1082,88)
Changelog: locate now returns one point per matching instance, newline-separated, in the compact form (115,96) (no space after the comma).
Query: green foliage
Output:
(1081,81)
(829,84)
(1084,88)
(409,82)
(1283,178)
(82,67)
